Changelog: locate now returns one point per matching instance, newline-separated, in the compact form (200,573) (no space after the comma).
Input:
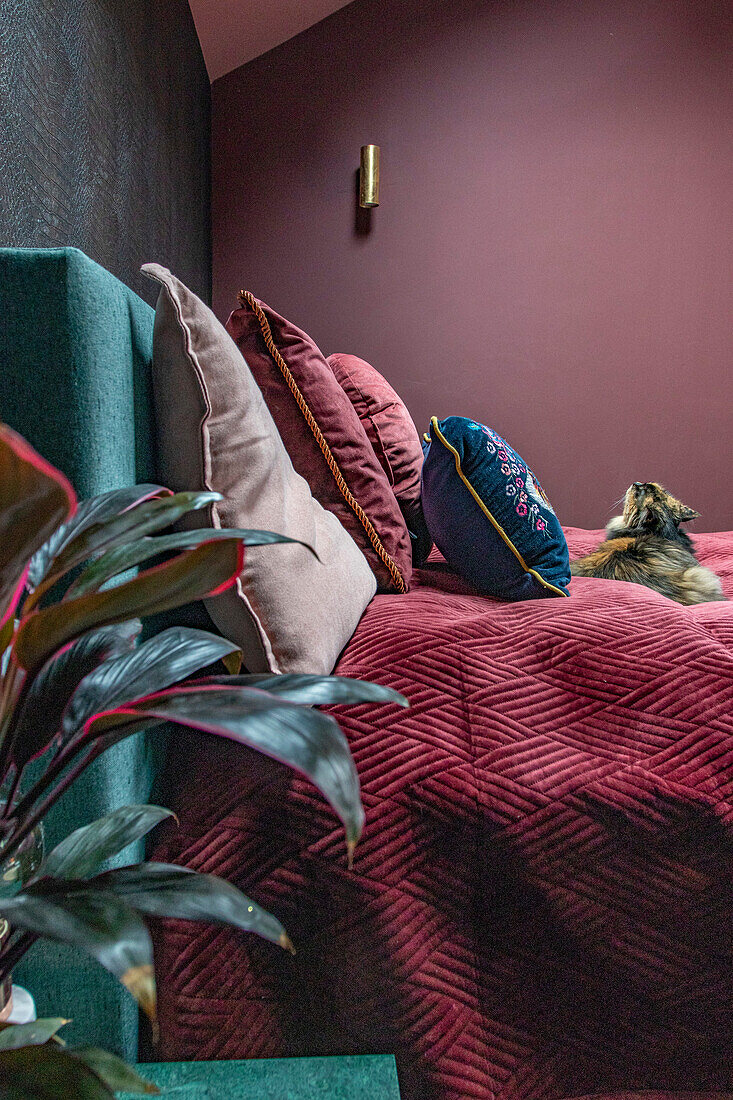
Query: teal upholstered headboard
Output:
(75,347)
(76,350)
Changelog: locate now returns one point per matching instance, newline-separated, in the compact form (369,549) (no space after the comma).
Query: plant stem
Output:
(28,825)
(15,951)
(11,688)
(62,759)
(5,810)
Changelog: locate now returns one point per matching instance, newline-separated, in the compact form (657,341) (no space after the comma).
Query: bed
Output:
(541,903)
(540,906)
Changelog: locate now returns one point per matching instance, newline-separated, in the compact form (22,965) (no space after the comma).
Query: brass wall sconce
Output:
(369,176)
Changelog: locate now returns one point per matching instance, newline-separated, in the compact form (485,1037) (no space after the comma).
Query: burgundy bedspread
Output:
(542,903)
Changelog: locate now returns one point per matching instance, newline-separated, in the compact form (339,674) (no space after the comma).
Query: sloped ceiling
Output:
(232,32)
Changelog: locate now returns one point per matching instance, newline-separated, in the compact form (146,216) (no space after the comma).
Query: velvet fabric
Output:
(393,435)
(291,610)
(651,1094)
(76,350)
(342,429)
(488,514)
(366,1077)
(540,905)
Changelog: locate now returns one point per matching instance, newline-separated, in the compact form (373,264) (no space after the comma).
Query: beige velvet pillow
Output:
(289,611)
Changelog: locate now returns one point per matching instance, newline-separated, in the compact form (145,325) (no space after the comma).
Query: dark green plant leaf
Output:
(101,925)
(166,890)
(304,739)
(82,852)
(166,659)
(48,1073)
(13,1036)
(150,515)
(313,690)
(116,1074)
(34,499)
(89,512)
(206,570)
(114,562)
(39,717)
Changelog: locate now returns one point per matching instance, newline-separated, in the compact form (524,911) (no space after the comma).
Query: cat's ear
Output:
(682,513)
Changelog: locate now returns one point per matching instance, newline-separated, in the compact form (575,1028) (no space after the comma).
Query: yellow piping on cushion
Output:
(494,522)
(247,298)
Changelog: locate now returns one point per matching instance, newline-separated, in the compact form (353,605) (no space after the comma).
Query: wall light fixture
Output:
(369,176)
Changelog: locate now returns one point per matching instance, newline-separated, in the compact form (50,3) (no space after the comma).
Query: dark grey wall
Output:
(104,134)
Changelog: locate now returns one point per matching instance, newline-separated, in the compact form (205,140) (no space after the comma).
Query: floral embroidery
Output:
(522,486)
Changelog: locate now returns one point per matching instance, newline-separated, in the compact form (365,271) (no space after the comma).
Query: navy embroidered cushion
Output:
(488,514)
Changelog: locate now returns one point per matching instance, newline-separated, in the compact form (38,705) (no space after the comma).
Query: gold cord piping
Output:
(247,298)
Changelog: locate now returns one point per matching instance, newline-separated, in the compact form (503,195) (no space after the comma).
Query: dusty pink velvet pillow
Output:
(315,416)
(387,423)
(393,435)
(290,610)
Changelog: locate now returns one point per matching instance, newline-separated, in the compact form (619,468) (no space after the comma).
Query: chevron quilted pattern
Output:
(541,906)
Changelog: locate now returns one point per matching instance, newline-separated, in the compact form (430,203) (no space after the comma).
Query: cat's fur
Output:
(646,546)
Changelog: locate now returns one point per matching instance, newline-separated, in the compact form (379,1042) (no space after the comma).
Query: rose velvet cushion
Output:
(324,437)
(393,435)
(290,610)
(488,514)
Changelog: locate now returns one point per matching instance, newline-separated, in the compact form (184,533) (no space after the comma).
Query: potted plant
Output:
(75,680)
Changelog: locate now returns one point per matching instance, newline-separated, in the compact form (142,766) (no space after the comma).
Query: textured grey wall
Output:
(104,134)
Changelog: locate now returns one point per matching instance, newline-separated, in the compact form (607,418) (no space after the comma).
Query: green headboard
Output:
(76,346)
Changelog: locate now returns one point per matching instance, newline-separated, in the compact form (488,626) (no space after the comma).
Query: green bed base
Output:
(352,1077)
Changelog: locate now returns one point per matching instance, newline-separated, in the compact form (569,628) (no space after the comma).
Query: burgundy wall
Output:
(554,250)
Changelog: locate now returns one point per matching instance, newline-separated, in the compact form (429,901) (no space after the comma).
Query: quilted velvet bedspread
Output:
(542,903)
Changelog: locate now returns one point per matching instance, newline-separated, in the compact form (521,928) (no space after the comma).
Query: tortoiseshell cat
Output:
(646,546)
